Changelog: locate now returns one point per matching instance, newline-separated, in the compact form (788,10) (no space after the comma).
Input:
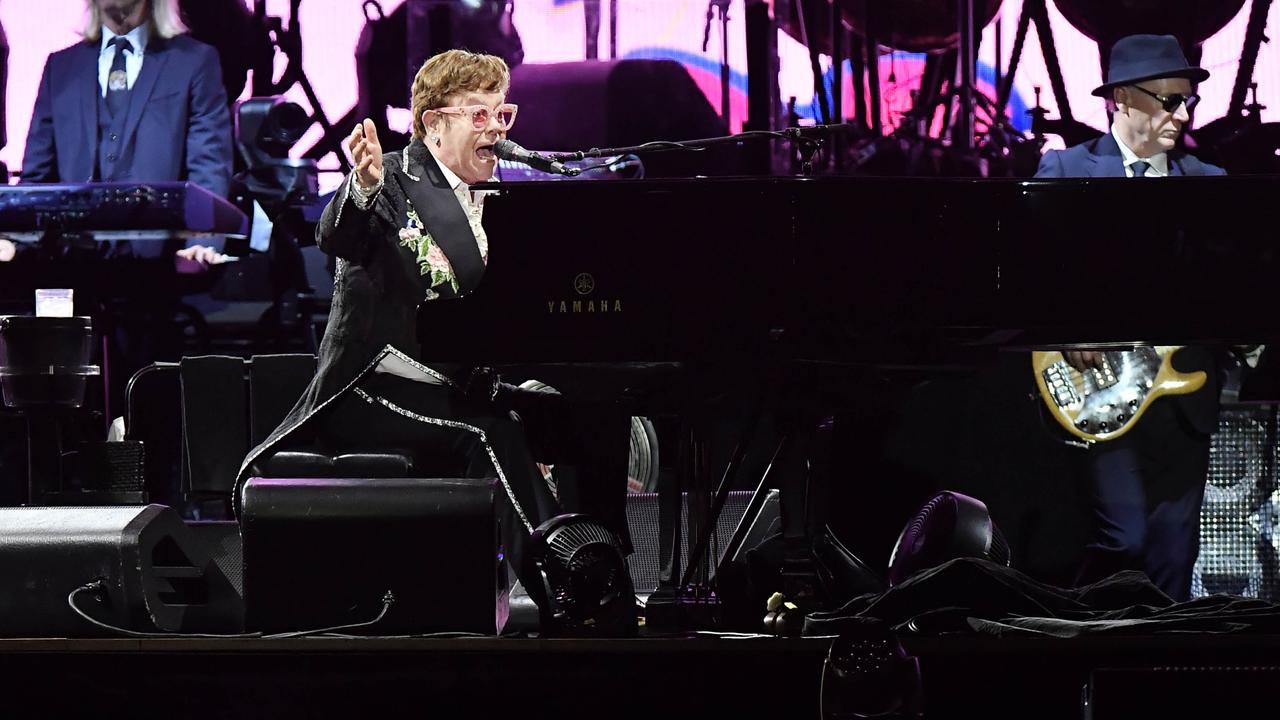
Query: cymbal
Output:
(911,25)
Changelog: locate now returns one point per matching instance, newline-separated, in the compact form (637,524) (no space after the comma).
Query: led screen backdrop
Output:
(554,31)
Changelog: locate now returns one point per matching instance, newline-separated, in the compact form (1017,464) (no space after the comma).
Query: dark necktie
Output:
(1140,168)
(118,78)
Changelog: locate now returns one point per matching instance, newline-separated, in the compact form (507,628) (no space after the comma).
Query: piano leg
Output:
(684,601)
(797,479)
(817,571)
(702,541)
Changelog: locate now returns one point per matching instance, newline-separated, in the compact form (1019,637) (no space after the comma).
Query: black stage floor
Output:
(671,677)
(448,678)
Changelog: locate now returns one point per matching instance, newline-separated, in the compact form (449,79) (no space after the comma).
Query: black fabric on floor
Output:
(975,596)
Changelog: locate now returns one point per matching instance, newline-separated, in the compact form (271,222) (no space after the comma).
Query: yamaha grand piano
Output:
(848,269)
(805,282)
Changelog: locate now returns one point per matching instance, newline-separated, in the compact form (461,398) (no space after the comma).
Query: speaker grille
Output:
(1238,541)
(642,519)
(221,542)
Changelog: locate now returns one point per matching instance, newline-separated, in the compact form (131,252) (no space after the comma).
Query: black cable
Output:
(387,601)
(1054,430)
(449,635)
(98,586)
(609,165)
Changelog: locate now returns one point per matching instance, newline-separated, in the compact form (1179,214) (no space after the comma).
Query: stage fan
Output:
(585,576)
(949,526)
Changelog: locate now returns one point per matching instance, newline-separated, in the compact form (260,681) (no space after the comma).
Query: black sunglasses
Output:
(1172,102)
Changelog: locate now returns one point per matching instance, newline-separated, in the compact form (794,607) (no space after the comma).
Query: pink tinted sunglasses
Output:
(479,114)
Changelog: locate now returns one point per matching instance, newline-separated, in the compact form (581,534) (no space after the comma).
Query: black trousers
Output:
(1145,490)
(480,434)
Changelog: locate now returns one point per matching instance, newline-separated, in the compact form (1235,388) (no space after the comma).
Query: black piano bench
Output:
(301,464)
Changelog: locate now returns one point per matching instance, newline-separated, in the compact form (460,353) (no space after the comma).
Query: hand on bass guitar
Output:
(1098,395)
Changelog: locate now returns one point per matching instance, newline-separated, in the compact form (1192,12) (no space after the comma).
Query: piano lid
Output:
(837,268)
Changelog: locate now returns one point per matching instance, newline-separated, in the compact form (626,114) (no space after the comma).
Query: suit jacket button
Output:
(111,157)
(114,137)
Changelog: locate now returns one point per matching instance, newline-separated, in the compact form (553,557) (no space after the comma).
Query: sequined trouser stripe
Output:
(493,458)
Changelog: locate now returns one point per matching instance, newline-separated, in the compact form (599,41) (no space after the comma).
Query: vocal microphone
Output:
(508,150)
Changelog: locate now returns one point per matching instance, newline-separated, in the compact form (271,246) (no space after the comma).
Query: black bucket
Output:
(45,360)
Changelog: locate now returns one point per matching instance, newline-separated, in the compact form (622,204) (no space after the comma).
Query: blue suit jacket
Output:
(1101,158)
(177,126)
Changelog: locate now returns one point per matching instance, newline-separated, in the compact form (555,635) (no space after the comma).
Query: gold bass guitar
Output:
(1104,403)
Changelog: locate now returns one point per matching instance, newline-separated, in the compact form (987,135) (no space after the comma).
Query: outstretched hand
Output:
(366,154)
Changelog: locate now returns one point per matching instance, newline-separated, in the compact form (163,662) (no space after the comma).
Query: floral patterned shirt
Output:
(414,235)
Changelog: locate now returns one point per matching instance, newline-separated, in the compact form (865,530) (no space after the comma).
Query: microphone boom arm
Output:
(809,139)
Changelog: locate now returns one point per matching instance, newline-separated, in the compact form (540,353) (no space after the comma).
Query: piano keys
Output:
(116,210)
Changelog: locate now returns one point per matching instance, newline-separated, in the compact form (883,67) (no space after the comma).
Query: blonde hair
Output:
(450,73)
(165,18)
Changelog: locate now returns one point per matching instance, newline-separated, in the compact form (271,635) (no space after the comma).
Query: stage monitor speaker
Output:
(320,553)
(584,105)
(153,578)
(642,519)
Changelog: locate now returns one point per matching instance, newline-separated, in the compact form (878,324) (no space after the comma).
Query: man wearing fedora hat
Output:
(1146,487)
(1150,85)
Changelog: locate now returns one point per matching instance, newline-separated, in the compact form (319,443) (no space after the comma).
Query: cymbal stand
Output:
(1036,11)
(806,12)
(591,15)
(1254,35)
(962,130)
(613,29)
(722,8)
(956,70)
(871,55)
(289,41)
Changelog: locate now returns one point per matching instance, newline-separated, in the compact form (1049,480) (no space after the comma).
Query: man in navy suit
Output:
(1147,486)
(137,100)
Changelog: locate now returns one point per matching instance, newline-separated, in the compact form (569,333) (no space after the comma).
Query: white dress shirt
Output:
(1158,163)
(472,202)
(132,60)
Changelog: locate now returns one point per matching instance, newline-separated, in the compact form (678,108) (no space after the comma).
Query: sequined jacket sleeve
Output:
(348,231)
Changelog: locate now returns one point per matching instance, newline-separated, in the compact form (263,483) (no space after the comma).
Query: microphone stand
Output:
(808,140)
